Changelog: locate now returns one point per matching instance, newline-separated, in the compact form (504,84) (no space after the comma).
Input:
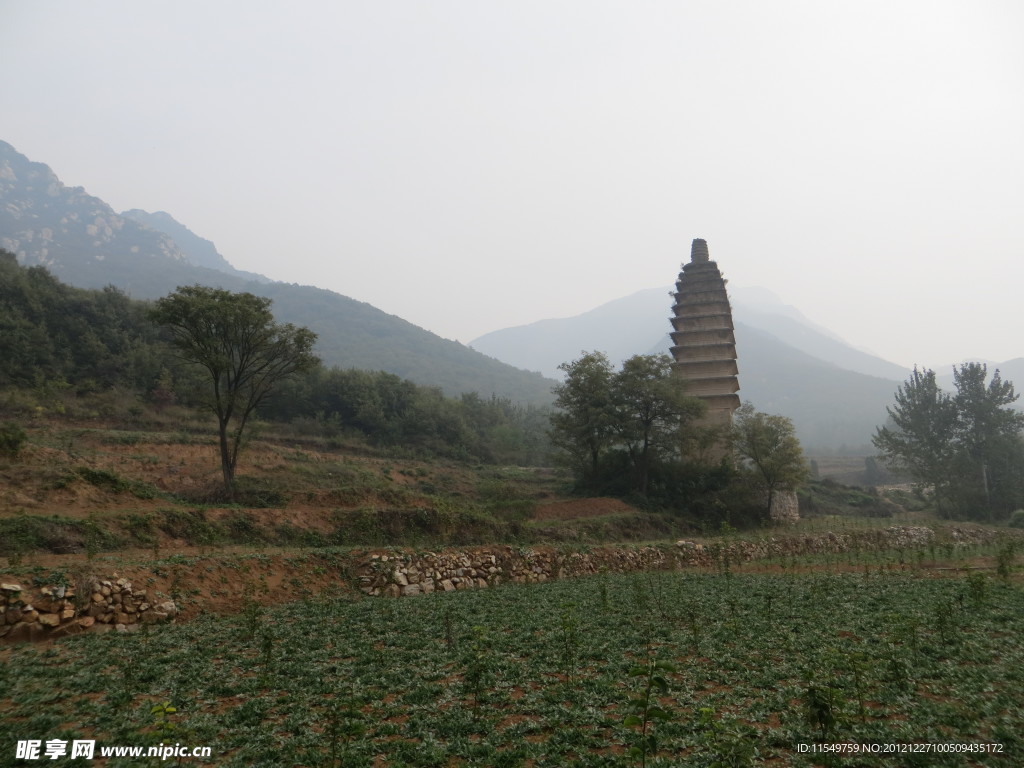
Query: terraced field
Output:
(712,669)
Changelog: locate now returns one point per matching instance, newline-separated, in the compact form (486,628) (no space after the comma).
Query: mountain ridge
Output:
(198,250)
(85,243)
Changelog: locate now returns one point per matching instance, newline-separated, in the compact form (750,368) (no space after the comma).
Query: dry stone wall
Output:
(58,610)
(31,612)
(403,573)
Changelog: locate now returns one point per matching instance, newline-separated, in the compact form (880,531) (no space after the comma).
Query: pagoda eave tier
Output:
(711,388)
(725,402)
(705,352)
(696,267)
(702,322)
(703,309)
(696,283)
(705,369)
(687,337)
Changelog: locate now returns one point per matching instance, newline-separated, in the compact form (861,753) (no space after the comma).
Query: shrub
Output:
(12,440)
(1017,519)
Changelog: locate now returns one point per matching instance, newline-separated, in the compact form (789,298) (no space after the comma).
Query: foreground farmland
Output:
(544,675)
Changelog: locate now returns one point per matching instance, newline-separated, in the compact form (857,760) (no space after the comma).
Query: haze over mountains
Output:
(84,242)
(835,394)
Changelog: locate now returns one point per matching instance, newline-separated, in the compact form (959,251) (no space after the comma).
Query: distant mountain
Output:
(759,308)
(640,322)
(620,329)
(834,394)
(84,242)
(198,250)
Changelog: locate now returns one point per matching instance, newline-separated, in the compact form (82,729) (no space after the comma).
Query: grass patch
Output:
(23,534)
(109,481)
(827,497)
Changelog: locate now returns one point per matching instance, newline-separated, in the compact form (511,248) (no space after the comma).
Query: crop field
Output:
(662,669)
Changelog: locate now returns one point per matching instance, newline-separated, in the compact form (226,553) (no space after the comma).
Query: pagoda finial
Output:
(699,251)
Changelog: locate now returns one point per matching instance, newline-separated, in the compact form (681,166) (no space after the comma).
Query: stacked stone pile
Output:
(59,610)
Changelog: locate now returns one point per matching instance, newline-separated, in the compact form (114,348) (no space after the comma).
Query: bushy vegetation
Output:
(656,669)
(53,334)
(393,412)
(827,497)
(621,428)
(12,440)
(635,433)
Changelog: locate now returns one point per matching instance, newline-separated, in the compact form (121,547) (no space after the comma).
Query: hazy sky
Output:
(470,165)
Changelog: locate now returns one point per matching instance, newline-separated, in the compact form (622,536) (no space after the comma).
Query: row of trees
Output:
(638,417)
(390,411)
(964,447)
(636,430)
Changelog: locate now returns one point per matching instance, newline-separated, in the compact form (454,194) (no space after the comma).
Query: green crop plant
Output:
(945,626)
(1004,559)
(857,663)
(822,707)
(267,641)
(602,591)
(644,706)
(693,624)
(569,645)
(252,615)
(898,672)
(978,589)
(345,725)
(449,630)
(163,728)
(478,669)
(730,747)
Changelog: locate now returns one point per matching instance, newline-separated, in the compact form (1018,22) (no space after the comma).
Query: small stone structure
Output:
(785,507)
(703,341)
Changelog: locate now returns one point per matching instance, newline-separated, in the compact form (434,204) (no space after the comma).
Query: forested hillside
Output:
(60,341)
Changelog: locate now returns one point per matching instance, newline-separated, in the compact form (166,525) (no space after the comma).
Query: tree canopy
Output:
(634,417)
(55,335)
(767,444)
(965,448)
(245,353)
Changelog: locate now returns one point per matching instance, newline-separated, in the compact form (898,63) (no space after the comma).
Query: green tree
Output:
(584,425)
(768,445)
(988,434)
(966,447)
(613,424)
(918,440)
(651,410)
(233,337)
